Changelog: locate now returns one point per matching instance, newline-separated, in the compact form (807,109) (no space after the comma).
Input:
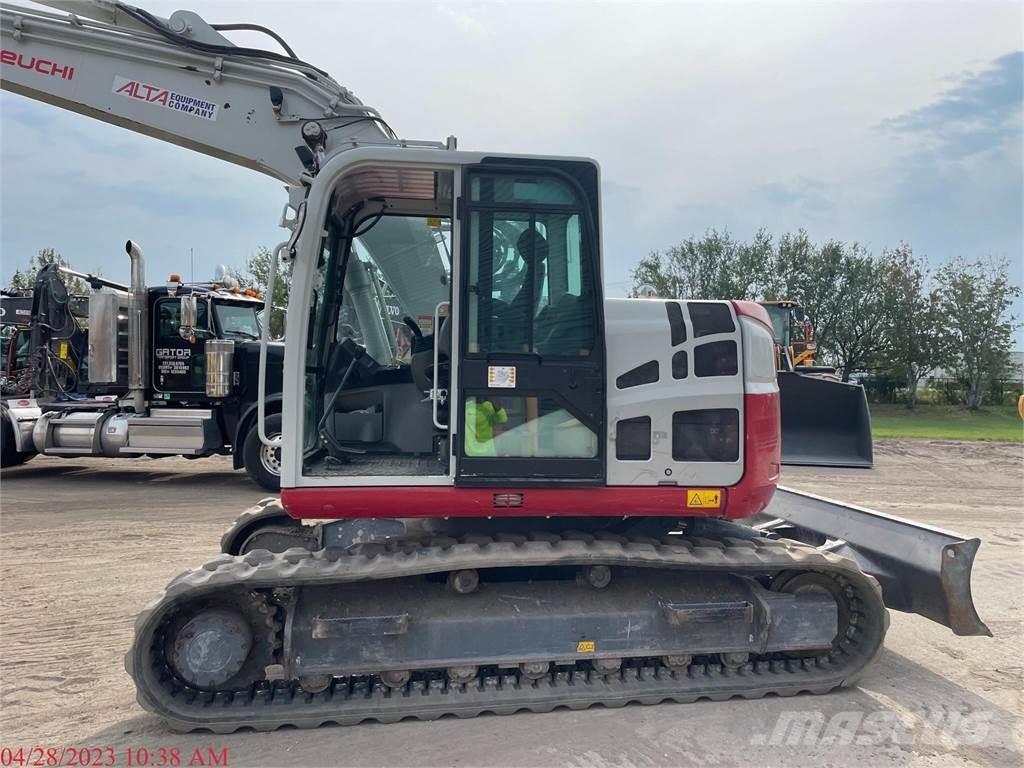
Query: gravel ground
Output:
(84,544)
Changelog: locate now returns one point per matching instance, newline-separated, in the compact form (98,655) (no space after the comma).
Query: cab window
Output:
(530,289)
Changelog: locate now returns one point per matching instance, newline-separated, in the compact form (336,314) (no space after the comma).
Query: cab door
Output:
(531,394)
(179,365)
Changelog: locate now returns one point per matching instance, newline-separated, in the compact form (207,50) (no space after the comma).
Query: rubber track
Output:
(270,705)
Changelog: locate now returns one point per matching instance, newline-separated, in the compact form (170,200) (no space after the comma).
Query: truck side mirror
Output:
(189,317)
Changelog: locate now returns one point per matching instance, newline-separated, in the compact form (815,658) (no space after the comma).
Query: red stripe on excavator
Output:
(446,501)
(762,455)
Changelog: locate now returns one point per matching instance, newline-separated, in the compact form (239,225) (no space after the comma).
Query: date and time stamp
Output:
(37,756)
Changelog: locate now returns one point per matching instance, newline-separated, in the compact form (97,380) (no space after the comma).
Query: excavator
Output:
(825,420)
(541,497)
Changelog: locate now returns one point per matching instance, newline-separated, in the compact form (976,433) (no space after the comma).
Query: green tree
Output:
(813,275)
(259,271)
(714,266)
(912,334)
(975,298)
(25,279)
(786,274)
(853,339)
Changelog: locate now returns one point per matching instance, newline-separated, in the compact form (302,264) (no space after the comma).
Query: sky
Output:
(874,122)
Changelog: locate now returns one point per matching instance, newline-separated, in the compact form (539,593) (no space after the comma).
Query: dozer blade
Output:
(825,422)
(921,569)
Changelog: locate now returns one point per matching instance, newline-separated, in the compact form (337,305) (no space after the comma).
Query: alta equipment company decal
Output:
(164,97)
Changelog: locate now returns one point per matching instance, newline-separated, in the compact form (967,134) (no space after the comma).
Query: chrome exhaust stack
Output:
(138,316)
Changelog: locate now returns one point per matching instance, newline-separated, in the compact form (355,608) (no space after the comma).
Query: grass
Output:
(947,422)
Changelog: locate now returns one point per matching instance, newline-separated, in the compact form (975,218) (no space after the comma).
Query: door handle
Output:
(437,395)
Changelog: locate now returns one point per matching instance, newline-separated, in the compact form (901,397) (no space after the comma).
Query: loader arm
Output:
(179,80)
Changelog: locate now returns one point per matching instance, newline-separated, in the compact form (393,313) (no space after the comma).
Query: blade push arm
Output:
(181,81)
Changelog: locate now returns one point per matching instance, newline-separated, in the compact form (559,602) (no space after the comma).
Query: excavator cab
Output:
(404,296)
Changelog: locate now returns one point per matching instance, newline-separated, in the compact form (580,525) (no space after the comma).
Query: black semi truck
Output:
(136,370)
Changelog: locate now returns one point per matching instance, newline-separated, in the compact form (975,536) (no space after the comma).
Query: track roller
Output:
(534,670)
(607,666)
(464,582)
(676,663)
(734,660)
(396,678)
(459,675)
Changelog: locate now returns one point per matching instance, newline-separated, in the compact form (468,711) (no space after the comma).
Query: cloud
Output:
(805,195)
(469,18)
(955,188)
(980,113)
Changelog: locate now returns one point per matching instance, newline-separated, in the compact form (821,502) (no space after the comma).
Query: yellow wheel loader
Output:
(825,420)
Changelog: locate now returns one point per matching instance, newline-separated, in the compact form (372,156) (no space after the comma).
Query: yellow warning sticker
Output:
(586,646)
(703,497)
(63,350)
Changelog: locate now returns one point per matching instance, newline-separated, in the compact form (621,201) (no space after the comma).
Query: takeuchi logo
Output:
(40,65)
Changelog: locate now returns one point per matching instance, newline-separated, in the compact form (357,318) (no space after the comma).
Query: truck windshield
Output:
(238,319)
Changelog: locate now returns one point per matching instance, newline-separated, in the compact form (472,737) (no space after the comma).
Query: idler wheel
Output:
(211,647)
(795,583)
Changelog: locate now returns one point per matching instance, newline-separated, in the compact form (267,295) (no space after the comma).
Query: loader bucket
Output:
(825,421)
(921,569)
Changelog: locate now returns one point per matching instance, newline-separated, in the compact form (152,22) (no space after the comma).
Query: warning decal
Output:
(703,497)
(164,97)
(586,646)
(501,376)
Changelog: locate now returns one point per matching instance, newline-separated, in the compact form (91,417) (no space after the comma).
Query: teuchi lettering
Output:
(42,66)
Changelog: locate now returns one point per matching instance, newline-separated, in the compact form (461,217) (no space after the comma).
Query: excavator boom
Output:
(179,80)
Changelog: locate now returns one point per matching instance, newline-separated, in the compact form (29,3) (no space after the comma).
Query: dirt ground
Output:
(84,544)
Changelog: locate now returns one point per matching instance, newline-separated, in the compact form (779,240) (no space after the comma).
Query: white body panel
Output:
(637,331)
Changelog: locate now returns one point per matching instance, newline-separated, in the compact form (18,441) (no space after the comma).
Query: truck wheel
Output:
(262,463)
(9,457)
